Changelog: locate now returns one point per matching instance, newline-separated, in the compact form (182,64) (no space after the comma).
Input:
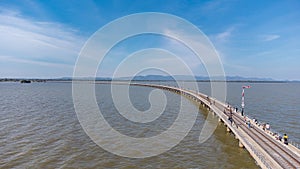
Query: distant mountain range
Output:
(178,77)
(198,78)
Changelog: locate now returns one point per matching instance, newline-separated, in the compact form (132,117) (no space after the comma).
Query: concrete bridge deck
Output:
(267,151)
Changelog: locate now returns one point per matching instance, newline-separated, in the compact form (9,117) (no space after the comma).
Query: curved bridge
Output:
(265,149)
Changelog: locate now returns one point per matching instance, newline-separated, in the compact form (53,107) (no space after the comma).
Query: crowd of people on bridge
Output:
(229,111)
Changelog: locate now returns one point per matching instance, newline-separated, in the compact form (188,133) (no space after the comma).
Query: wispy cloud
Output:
(33,62)
(210,5)
(32,41)
(197,51)
(270,37)
(225,35)
(214,5)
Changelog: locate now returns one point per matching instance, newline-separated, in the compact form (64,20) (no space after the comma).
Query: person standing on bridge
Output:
(268,127)
(254,120)
(230,118)
(264,126)
(249,123)
(285,139)
(279,137)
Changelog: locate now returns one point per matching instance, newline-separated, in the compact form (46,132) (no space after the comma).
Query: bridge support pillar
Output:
(228,129)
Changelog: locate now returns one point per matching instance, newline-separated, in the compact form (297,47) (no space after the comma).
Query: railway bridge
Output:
(268,152)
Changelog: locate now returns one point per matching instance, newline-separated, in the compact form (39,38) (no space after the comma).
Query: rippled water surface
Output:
(39,127)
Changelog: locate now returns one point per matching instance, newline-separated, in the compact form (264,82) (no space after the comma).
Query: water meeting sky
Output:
(42,39)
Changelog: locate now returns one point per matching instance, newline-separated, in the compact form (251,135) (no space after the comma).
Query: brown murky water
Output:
(39,129)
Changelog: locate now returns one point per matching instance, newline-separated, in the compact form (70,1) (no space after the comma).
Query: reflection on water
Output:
(39,128)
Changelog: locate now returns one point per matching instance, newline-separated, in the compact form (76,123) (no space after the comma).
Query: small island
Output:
(25,81)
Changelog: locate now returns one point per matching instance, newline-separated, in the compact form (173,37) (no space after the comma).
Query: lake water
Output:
(39,127)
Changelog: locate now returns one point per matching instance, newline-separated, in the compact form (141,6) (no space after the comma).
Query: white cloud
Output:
(270,37)
(41,43)
(213,6)
(204,59)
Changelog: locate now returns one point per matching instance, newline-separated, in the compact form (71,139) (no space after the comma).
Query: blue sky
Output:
(254,38)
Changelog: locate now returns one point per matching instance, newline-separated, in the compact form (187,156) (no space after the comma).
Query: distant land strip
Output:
(146,80)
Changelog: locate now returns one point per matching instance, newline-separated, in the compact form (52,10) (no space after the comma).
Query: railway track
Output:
(282,155)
